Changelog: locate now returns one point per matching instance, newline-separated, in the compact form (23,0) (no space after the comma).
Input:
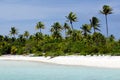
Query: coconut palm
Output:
(31,37)
(56,28)
(95,23)
(106,10)
(1,38)
(6,38)
(86,29)
(40,26)
(111,38)
(98,38)
(21,39)
(13,31)
(66,27)
(38,36)
(69,32)
(26,34)
(76,35)
(71,18)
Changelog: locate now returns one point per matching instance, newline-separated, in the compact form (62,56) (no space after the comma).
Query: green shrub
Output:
(48,54)
(33,50)
(13,50)
(115,54)
(0,53)
(83,53)
(38,54)
(20,51)
(6,49)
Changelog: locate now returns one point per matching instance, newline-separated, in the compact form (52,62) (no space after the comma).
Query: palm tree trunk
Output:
(71,25)
(65,34)
(106,24)
(14,35)
(85,34)
(40,30)
(94,30)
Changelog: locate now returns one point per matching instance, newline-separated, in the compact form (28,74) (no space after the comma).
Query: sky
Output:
(24,14)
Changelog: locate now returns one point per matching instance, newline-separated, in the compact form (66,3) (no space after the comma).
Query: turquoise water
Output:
(23,70)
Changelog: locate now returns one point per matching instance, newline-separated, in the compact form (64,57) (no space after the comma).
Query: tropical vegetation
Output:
(63,40)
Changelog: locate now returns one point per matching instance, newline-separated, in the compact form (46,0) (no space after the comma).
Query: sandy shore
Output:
(94,61)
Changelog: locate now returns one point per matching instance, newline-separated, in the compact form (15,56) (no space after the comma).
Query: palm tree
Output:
(21,39)
(69,32)
(26,34)
(38,37)
(106,10)
(1,38)
(31,37)
(13,31)
(111,38)
(98,39)
(86,29)
(6,38)
(66,27)
(71,18)
(95,23)
(76,35)
(56,28)
(40,26)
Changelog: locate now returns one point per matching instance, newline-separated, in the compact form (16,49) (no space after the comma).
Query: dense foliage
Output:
(73,41)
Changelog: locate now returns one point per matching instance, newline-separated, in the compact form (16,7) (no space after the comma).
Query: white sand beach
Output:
(92,61)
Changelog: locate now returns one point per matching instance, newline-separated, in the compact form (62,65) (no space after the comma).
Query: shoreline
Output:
(89,61)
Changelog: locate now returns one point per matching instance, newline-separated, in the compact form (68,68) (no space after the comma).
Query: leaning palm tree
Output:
(106,10)
(71,18)
(40,26)
(86,29)
(66,27)
(13,31)
(95,24)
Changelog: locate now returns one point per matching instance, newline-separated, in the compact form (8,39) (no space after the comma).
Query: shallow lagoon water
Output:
(24,70)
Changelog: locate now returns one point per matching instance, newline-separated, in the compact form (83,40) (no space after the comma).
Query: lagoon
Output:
(26,70)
